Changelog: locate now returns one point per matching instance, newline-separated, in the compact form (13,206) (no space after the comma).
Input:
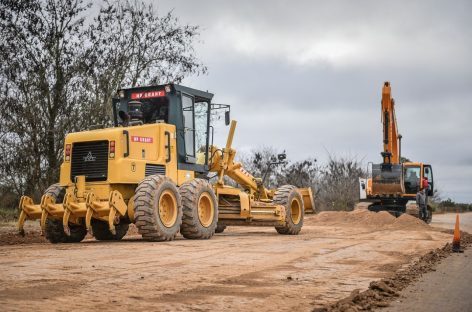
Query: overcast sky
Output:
(306,76)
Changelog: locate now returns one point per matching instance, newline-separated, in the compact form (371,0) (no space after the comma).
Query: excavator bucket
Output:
(387,179)
(308,199)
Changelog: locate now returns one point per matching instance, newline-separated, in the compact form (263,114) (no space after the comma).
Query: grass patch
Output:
(8,215)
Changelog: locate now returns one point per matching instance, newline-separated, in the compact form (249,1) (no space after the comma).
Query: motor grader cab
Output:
(393,183)
(152,169)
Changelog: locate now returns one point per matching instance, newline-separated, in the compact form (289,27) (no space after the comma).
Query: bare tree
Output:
(58,73)
(131,45)
(339,183)
(335,183)
(40,58)
(258,163)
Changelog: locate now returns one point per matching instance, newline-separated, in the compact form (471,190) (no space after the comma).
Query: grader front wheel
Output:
(200,210)
(289,197)
(157,208)
(55,232)
(101,230)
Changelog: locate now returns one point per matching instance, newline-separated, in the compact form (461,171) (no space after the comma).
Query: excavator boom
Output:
(387,177)
(391,141)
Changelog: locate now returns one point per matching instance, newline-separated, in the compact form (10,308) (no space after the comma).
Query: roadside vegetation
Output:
(8,215)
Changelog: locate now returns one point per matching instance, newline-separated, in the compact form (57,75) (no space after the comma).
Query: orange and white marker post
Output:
(456,240)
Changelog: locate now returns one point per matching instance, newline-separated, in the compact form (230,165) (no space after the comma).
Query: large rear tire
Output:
(289,197)
(101,231)
(54,230)
(157,208)
(200,210)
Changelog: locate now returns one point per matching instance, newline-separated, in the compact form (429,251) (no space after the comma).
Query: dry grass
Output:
(8,215)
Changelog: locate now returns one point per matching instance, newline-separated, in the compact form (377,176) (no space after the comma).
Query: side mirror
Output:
(227,118)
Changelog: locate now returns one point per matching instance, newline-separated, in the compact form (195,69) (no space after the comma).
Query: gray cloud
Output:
(306,76)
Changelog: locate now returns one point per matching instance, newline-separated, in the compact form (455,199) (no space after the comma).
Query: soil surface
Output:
(447,288)
(244,268)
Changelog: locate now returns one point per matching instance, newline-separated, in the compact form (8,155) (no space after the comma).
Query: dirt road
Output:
(242,269)
(448,288)
(448,220)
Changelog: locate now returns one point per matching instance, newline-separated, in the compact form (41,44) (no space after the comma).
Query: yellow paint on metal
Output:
(205,209)
(168,208)
(308,199)
(130,209)
(296,211)
(120,169)
(184,176)
(80,186)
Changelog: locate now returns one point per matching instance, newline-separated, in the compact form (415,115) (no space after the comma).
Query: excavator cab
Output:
(414,174)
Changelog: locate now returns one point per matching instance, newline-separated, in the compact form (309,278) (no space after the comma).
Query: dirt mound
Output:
(366,218)
(380,293)
(408,222)
(132,230)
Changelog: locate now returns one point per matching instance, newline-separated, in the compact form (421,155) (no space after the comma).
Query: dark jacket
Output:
(421,198)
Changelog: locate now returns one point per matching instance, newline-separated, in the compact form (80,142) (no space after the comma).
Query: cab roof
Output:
(200,96)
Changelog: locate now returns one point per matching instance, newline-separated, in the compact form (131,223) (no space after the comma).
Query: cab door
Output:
(362,188)
(189,127)
(412,179)
(428,174)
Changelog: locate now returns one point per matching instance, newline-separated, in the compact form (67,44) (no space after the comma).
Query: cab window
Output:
(189,126)
(412,179)
(201,123)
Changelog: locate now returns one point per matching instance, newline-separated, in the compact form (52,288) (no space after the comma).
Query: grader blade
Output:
(308,199)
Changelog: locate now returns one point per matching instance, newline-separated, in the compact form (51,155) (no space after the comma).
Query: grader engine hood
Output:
(117,155)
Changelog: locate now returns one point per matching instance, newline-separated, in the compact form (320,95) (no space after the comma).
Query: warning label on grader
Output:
(141,139)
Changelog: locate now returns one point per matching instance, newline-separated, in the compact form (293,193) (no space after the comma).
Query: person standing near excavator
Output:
(421,202)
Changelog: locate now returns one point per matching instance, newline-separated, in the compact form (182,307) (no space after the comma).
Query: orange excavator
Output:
(393,183)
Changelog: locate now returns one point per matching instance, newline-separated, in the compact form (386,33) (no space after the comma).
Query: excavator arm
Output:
(387,177)
(391,138)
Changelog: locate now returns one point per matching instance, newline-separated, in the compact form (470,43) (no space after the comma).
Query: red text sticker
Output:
(141,139)
(147,95)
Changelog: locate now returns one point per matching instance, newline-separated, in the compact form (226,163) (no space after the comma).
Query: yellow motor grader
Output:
(153,169)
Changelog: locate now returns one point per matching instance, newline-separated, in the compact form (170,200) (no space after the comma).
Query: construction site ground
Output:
(244,268)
